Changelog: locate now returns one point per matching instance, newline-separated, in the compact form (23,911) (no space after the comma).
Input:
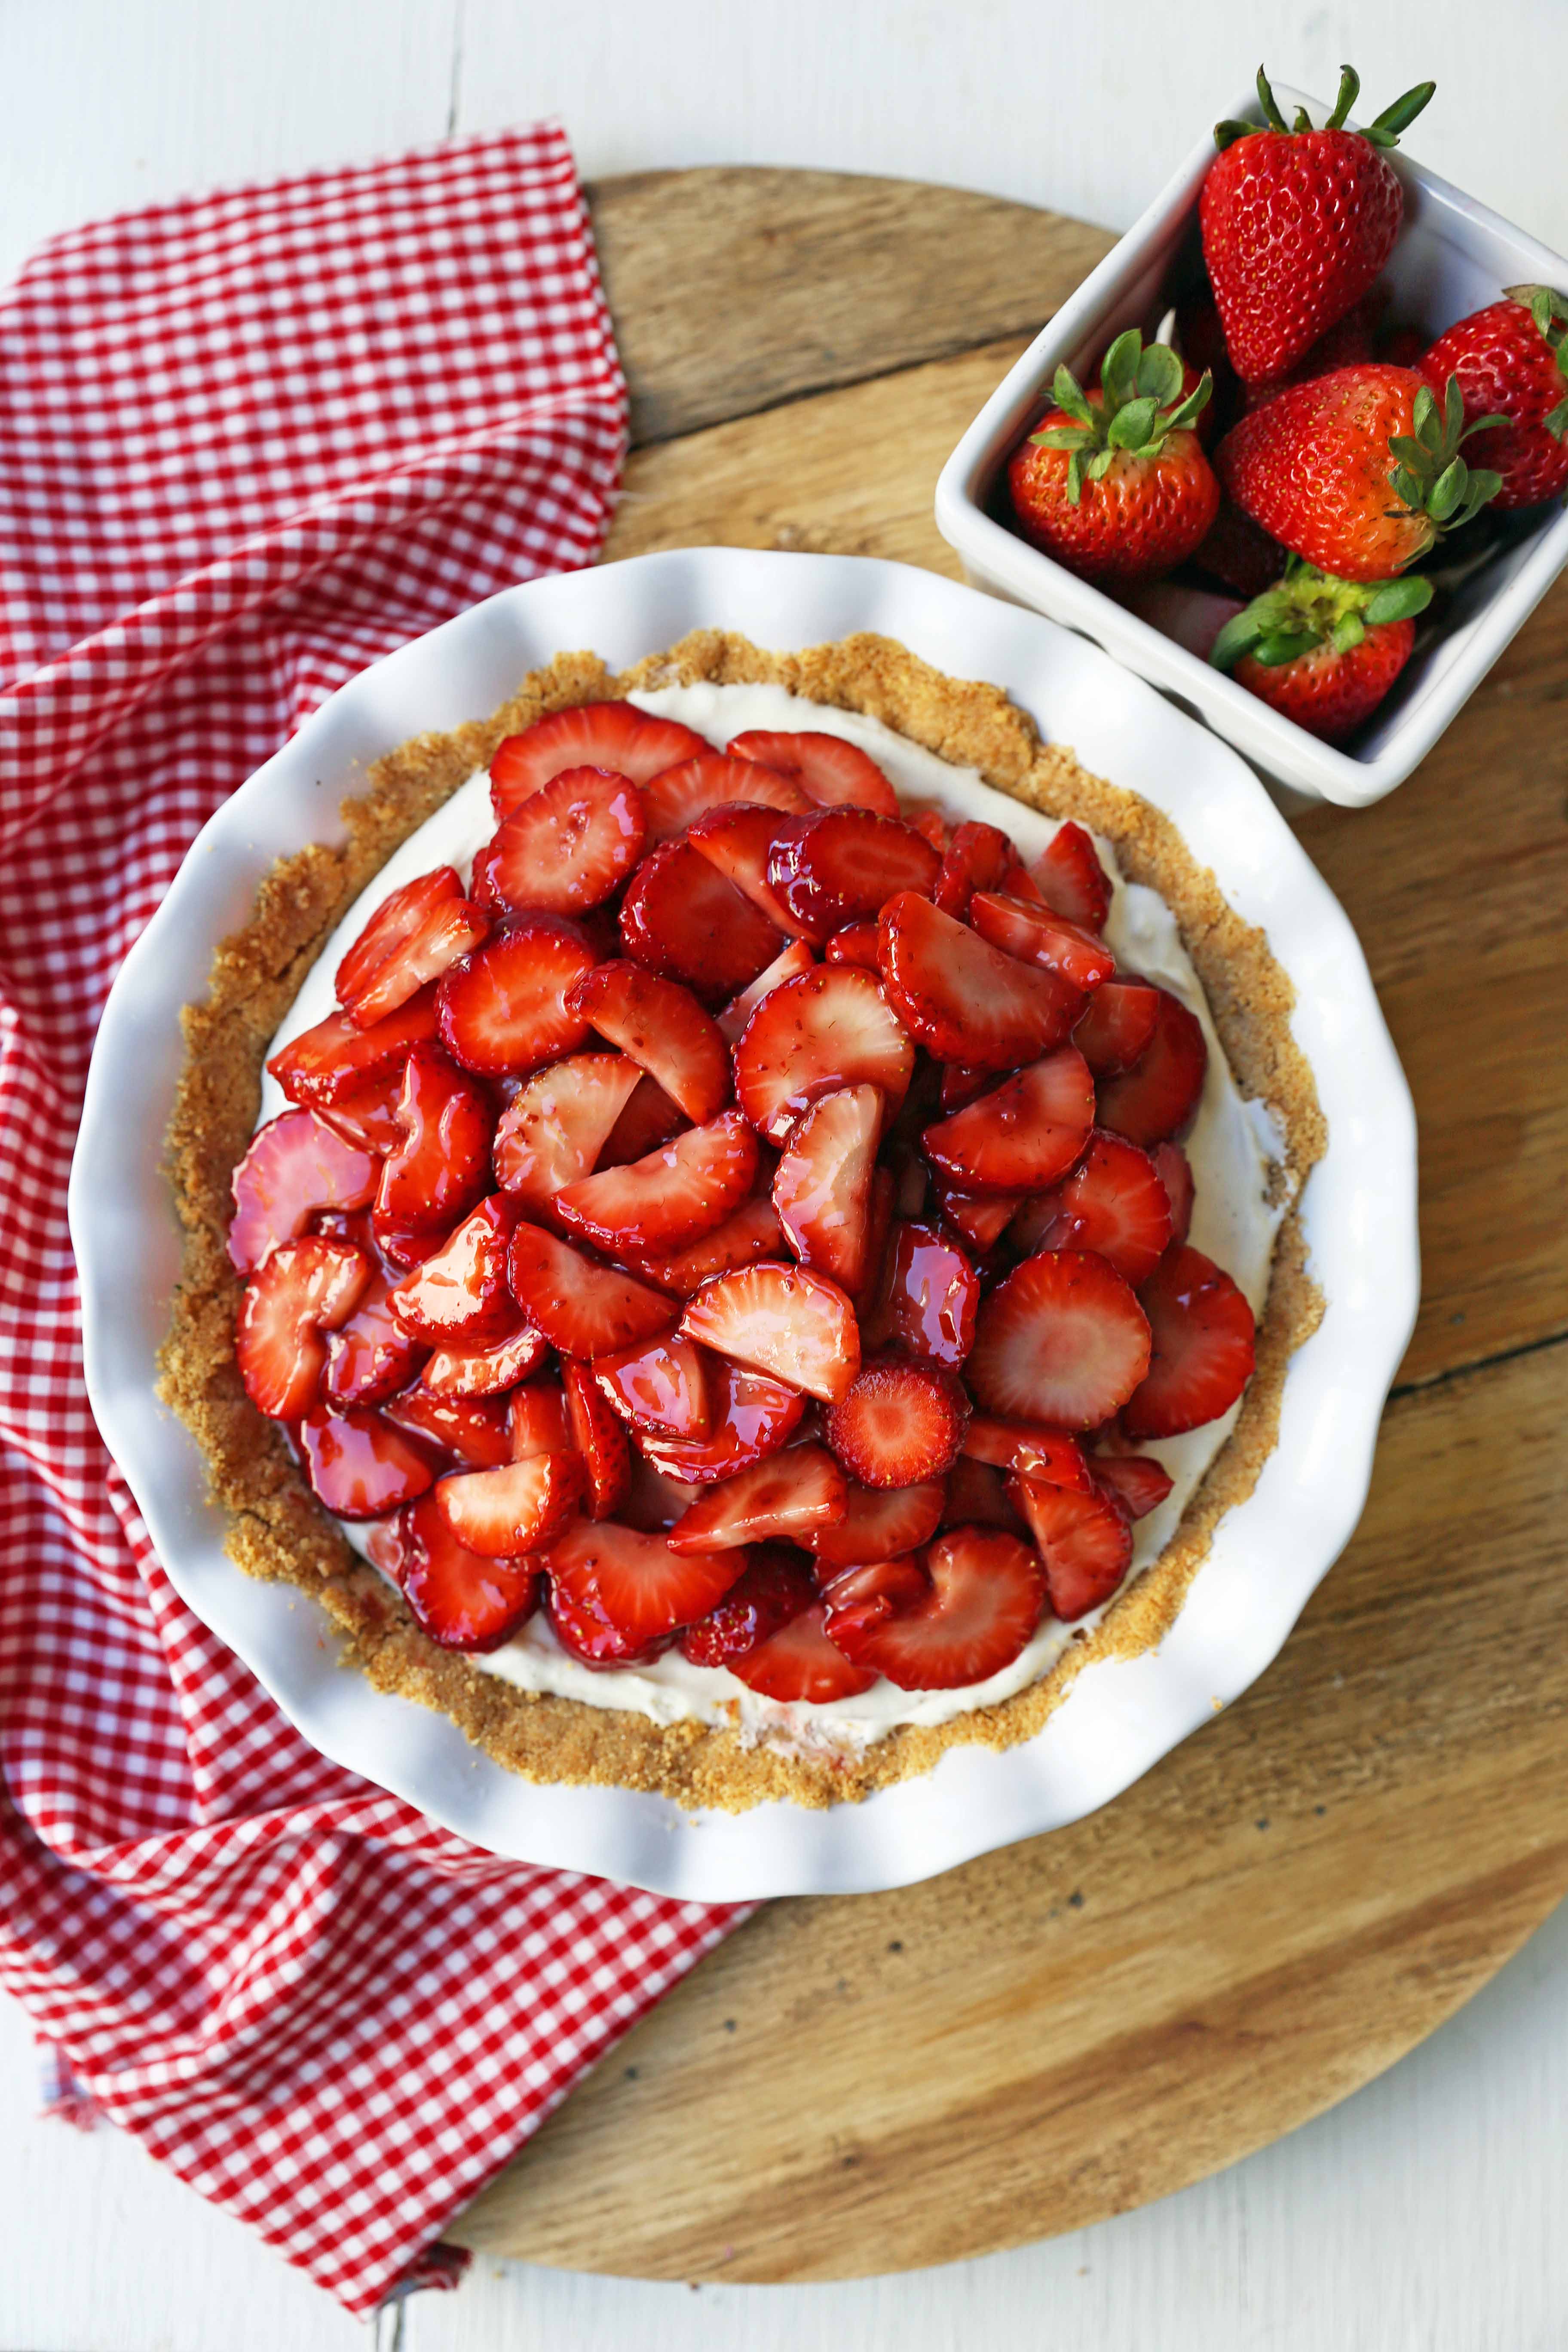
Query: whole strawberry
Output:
(1298,223)
(1359,471)
(1323,651)
(1114,484)
(1512,360)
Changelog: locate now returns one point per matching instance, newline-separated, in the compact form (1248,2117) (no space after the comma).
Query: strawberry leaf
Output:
(1350,89)
(1131,426)
(1398,600)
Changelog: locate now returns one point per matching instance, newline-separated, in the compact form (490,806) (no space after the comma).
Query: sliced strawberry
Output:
(503,1009)
(1174,1171)
(648,1119)
(1025,1133)
(397,920)
(834,774)
(681,795)
(1117,1024)
(1112,1203)
(636,1582)
(977,1496)
(1061,1341)
(977,858)
(359,1465)
(843,863)
(367,1116)
(1158,1096)
(960,1084)
(752,1232)
(822,1185)
(929,824)
(795,960)
(486,1372)
(411,953)
(659,1386)
(1204,1347)
(370,1355)
(782,1320)
(799,1664)
(962,999)
(972,1607)
(1015,884)
(682,919)
(441,1169)
(554,1130)
(752,1417)
(876,1524)
(304,1289)
(296,1165)
(571,845)
(738,838)
(1085,1541)
(1030,1448)
(928,1300)
(521,1507)
(599,1439)
(586,1633)
(982,1218)
(856,944)
(1139,1483)
(668,1198)
(473,1430)
(777,1587)
(899,1423)
(908,1171)
(1036,935)
(660,1026)
(460,1298)
(538,1421)
(582,1307)
(878,1229)
(652,1501)
(614,735)
(460,1600)
(336,1059)
(1070,877)
(788,1497)
(829,1027)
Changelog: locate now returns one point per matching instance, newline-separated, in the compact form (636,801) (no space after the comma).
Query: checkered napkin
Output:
(247,445)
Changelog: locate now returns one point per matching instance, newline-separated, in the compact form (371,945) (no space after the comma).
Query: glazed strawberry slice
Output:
(1117,1024)
(1174,1171)
(586,1633)
(554,1128)
(442,1165)
(1062,1340)
(571,845)
(367,1115)
(582,1307)
(799,1664)
(1113,1203)
(977,858)
(1024,1134)
(1204,1347)
(1158,1094)
(927,1300)
(503,1009)
(964,1613)
(614,735)
(462,1601)
(836,775)
(660,1026)
(752,1232)
(788,1497)
(397,920)
(960,1084)
(782,1320)
(486,1372)
(788,965)
(738,839)
(1036,935)
(930,825)
(879,1231)
(829,1027)
(856,944)
(682,919)
(648,1119)
(775,1587)
(752,1417)
(1030,1448)
(599,1439)
(962,999)
(520,1507)
(538,1421)
(1070,877)
(653,1502)
(977,1496)
(681,795)
(980,1218)
(667,1199)
(305,1287)
(472,1430)
(843,864)
(636,1582)
(899,1423)
(417,933)
(335,1059)
(1139,1483)
(370,1355)
(822,1185)
(876,1524)
(296,1165)
(1085,1541)
(460,1298)
(659,1387)
(359,1465)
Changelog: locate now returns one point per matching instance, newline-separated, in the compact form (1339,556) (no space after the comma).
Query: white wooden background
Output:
(1424,2215)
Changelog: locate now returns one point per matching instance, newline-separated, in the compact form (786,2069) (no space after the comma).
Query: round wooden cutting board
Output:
(1294,1898)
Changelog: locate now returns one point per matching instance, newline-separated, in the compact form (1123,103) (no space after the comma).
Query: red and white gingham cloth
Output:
(248,444)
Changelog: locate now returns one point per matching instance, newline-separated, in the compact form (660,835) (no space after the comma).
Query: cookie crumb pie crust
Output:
(726,1755)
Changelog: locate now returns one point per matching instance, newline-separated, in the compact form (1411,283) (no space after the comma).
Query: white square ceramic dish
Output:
(1359,1215)
(1453,255)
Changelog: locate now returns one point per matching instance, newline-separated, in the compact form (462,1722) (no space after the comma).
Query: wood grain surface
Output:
(1293,1898)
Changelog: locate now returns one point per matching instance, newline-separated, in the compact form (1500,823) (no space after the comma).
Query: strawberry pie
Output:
(743,1229)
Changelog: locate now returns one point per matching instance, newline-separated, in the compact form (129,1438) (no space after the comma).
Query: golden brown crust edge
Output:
(280,1531)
